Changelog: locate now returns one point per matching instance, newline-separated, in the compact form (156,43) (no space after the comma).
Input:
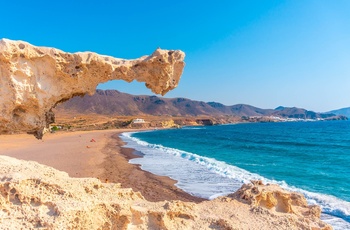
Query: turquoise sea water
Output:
(308,157)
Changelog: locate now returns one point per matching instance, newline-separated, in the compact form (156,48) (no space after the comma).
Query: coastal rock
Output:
(38,196)
(33,80)
(276,199)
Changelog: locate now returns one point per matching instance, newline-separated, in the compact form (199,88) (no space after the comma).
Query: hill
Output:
(113,102)
(343,111)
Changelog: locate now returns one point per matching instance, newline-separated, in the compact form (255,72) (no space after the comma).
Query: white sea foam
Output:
(192,127)
(208,178)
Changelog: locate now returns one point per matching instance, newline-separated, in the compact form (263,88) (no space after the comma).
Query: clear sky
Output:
(263,53)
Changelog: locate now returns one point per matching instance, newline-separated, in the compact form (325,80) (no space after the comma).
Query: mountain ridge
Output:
(342,111)
(114,102)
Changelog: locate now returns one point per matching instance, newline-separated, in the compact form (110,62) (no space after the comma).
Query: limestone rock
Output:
(277,200)
(35,79)
(38,196)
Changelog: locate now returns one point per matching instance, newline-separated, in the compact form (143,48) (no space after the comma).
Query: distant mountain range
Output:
(343,111)
(113,102)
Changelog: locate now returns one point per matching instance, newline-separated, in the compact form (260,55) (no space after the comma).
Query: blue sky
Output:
(263,53)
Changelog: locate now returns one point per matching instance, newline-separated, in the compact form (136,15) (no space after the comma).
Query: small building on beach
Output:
(138,121)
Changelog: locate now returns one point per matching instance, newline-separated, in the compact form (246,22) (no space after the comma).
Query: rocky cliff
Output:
(35,79)
(37,196)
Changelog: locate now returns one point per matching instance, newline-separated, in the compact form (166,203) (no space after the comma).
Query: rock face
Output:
(35,79)
(37,196)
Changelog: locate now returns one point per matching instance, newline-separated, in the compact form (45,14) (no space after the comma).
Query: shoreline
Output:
(100,154)
(152,187)
(97,154)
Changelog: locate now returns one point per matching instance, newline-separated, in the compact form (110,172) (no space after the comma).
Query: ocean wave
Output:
(329,204)
(218,167)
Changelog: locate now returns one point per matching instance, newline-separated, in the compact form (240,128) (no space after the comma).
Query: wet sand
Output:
(93,154)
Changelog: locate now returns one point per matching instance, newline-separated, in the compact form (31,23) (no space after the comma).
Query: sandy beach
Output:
(51,199)
(93,154)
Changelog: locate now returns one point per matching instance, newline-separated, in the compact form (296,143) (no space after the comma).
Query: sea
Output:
(312,158)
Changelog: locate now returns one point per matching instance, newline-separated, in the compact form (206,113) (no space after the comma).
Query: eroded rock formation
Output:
(34,79)
(37,196)
(276,199)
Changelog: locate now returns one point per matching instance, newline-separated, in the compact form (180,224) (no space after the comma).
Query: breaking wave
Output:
(209,178)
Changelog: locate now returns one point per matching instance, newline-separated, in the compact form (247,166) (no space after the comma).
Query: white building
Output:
(138,120)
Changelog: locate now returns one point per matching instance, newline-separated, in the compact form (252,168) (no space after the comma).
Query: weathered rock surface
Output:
(37,196)
(34,79)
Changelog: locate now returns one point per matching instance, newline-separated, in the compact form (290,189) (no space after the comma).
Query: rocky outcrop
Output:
(276,199)
(205,121)
(35,79)
(37,196)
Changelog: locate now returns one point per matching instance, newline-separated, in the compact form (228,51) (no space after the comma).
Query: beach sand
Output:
(90,205)
(93,154)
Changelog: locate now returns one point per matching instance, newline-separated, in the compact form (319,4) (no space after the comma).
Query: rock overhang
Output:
(34,79)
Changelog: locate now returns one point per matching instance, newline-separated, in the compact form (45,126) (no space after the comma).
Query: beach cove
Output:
(88,197)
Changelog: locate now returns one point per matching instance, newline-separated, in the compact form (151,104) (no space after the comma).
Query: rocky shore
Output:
(38,196)
(82,180)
